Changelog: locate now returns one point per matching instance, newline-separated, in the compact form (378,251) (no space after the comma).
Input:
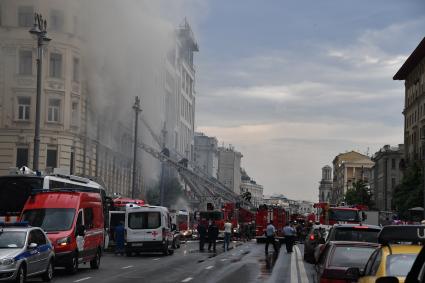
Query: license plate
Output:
(137,244)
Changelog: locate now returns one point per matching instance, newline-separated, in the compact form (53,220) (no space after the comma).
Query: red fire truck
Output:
(262,218)
(329,215)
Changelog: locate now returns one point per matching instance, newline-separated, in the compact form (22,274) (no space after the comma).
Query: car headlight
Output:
(7,261)
(64,241)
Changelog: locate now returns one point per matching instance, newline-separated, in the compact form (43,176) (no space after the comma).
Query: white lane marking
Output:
(233,254)
(209,267)
(303,272)
(82,279)
(187,279)
(223,259)
(125,267)
(156,259)
(294,275)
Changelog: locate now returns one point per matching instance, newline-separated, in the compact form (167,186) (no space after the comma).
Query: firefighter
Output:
(202,231)
(212,236)
(270,234)
(290,234)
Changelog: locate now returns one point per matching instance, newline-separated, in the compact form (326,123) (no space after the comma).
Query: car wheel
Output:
(95,263)
(21,276)
(170,252)
(48,275)
(72,267)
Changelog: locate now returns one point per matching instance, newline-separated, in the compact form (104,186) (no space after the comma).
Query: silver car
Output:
(25,252)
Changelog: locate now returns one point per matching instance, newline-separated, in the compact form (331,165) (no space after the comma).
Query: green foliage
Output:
(359,194)
(410,191)
(172,192)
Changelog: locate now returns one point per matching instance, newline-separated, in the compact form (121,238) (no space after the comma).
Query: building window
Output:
(25,62)
(74,114)
(54,110)
(72,162)
(393,163)
(393,183)
(56,65)
(56,20)
(25,16)
(21,157)
(24,104)
(52,158)
(76,70)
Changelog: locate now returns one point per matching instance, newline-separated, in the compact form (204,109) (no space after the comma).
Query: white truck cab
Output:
(148,229)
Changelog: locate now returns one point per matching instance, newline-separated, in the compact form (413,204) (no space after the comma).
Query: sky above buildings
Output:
(291,84)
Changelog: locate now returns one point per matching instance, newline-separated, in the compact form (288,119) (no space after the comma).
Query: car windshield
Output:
(346,256)
(355,234)
(343,215)
(50,219)
(399,264)
(144,220)
(12,239)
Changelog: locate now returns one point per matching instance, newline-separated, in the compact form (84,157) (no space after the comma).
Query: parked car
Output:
(74,223)
(354,232)
(338,257)
(148,229)
(25,252)
(349,232)
(317,235)
(392,261)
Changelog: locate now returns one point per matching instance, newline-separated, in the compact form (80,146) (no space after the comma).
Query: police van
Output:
(148,229)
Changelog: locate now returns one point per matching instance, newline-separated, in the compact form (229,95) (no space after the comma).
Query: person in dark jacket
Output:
(202,231)
(119,238)
(212,235)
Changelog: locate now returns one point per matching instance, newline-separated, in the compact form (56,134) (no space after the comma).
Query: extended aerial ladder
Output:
(204,187)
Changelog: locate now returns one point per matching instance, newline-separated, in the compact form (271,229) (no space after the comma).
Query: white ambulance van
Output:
(148,229)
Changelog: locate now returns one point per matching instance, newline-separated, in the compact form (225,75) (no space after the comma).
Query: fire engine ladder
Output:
(201,186)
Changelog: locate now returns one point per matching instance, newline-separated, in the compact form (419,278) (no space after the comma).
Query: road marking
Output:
(209,267)
(294,275)
(125,267)
(223,259)
(187,279)
(82,279)
(156,258)
(233,254)
(303,272)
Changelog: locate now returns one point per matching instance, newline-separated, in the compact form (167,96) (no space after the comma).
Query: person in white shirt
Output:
(270,234)
(227,235)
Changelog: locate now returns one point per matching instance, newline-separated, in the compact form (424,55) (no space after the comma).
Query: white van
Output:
(148,229)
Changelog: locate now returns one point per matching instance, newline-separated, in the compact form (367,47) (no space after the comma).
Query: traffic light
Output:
(210,206)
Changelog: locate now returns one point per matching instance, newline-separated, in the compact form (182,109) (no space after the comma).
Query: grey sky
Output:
(293,83)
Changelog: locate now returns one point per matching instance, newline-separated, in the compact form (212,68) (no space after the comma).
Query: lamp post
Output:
(137,110)
(39,32)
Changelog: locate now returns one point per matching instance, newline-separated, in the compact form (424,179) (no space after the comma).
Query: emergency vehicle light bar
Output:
(401,233)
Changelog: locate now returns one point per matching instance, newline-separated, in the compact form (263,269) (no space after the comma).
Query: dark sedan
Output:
(317,235)
(339,256)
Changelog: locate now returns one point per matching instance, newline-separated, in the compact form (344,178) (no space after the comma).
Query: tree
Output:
(410,191)
(173,191)
(359,194)
(246,196)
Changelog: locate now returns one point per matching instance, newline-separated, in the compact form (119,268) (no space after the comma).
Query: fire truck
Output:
(262,219)
(329,215)
(241,218)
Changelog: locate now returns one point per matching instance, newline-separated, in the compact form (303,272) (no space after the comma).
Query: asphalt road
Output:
(246,262)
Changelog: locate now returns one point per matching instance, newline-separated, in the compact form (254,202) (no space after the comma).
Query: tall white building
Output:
(229,168)
(206,154)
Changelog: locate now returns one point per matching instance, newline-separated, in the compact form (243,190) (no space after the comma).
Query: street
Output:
(244,263)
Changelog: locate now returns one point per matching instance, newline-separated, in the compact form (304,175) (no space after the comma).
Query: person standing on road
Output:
(270,237)
(227,235)
(212,236)
(119,238)
(290,233)
(202,231)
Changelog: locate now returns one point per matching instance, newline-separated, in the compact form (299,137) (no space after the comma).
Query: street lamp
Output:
(39,32)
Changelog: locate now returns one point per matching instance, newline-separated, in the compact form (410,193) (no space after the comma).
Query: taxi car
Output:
(25,251)
(394,258)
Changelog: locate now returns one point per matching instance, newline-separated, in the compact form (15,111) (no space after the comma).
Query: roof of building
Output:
(411,62)
(350,157)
